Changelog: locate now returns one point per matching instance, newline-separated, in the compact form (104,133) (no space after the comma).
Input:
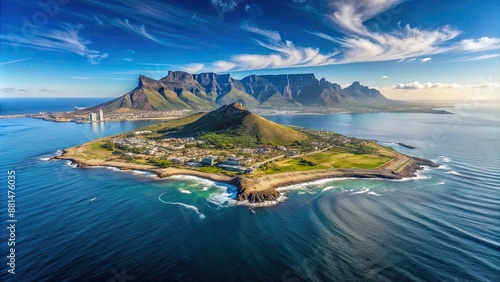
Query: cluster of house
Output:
(185,151)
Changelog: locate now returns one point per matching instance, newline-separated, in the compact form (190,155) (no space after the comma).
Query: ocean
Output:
(100,224)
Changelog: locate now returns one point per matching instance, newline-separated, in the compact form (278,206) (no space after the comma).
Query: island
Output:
(235,146)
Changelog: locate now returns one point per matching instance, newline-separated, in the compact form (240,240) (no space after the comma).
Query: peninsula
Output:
(235,146)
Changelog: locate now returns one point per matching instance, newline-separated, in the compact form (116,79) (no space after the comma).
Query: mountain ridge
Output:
(206,91)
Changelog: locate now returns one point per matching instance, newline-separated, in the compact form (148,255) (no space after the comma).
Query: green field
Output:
(216,170)
(333,159)
(288,165)
(330,159)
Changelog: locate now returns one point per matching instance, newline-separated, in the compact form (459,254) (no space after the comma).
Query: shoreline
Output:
(262,189)
(60,116)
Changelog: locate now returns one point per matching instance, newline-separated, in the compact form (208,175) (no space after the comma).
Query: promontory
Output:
(235,146)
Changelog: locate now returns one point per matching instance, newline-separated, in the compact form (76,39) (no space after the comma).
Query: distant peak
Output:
(145,80)
(238,106)
(233,108)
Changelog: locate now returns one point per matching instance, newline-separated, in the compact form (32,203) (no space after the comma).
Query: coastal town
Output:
(140,147)
(80,115)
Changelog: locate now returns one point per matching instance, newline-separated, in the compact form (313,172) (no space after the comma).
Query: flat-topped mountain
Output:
(205,91)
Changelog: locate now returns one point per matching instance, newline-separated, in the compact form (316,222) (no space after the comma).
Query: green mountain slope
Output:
(238,124)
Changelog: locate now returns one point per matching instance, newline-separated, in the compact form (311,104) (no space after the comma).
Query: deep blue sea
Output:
(443,225)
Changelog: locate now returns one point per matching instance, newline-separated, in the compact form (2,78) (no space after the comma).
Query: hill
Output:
(206,91)
(233,124)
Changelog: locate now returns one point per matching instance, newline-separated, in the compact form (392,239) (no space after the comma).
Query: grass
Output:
(289,165)
(178,122)
(94,150)
(216,170)
(331,159)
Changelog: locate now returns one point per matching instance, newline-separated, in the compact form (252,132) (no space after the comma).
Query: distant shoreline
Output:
(156,115)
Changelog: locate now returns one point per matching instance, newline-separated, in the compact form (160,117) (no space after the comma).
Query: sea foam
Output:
(191,207)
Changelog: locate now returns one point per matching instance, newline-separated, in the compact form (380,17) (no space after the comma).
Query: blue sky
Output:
(407,49)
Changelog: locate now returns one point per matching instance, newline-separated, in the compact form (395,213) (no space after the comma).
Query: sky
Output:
(409,50)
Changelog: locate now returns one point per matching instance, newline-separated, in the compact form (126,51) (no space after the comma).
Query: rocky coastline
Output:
(262,189)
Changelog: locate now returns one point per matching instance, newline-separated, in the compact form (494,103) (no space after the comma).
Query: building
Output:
(232,161)
(208,161)
(92,117)
(232,167)
(265,150)
(101,116)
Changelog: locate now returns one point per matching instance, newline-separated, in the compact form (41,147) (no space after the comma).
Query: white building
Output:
(101,115)
(92,117)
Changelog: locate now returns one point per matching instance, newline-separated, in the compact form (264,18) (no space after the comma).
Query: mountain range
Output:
(206,91)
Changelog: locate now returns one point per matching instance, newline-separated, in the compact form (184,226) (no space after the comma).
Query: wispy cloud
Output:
(126,59)
(138,28)
(192,68)
(284,54)
(14,61)
(385,77)
(360,44)
(98,21)
(479,44)
(478,58)
(269,34)
(67,40)
(424,60)
(224,6)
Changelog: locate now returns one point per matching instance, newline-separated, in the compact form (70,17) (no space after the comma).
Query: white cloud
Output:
(192,68)
(360,44)
(426,85)
(479,44)
(270,34)
(350,15)
(404,43)
(285,54)
(66,40)
(223,66)
(385,77)
(139,29)
(356,43)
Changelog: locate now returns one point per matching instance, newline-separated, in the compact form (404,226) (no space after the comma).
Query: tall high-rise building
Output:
(93,117)
(101,115)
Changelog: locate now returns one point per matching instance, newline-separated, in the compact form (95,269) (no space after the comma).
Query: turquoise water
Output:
(440,226)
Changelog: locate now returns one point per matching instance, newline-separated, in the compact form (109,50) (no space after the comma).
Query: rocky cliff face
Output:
(181,90)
